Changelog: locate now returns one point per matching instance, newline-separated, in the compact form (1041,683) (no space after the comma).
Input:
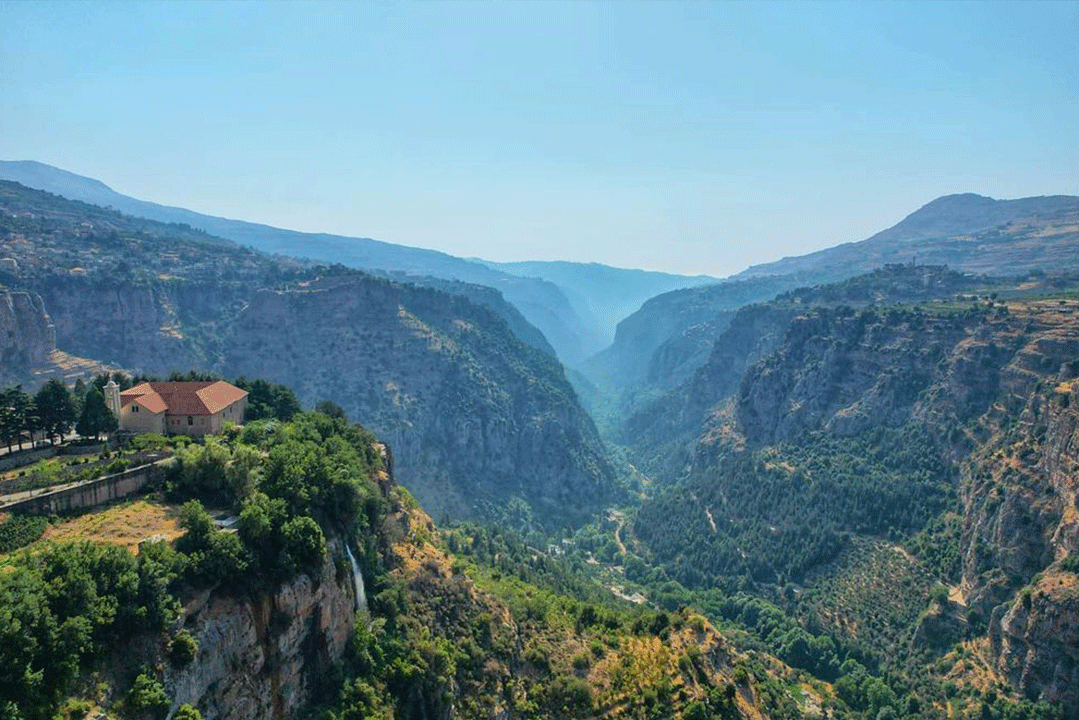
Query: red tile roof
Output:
(152,402)
(183,398)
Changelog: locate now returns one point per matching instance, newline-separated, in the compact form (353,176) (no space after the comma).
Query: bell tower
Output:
(112,397)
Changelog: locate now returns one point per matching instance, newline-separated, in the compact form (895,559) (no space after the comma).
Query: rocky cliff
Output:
(831,385)
(27,335)
(995,388)
(482,425)
(265,656)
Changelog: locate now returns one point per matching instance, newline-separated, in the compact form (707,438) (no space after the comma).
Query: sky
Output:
(687,137)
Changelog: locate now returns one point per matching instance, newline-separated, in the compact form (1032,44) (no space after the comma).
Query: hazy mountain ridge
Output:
(600,293)
(662,344)
(575,329)
(967,232)
(542,303)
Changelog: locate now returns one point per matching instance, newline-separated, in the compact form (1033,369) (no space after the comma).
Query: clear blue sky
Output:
(691,137)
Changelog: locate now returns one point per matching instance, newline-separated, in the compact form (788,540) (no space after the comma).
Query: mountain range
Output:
(860,461)
(575,305)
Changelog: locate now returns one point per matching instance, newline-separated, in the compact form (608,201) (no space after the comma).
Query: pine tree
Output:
(96,418)
(55,409)
(16,415)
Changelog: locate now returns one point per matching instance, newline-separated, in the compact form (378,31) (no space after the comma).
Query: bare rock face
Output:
(27,334)
(845,371)
(479,422)
(264,657)
(146,327)
(1035,642)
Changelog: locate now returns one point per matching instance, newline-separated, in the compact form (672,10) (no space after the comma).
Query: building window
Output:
(190,420)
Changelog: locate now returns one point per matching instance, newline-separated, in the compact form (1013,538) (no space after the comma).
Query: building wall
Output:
(207,424)
(234,413)
(141,420)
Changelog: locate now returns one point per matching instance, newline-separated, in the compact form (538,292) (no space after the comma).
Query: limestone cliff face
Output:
(844,371)
(1034,642)
(477,419)
(27,334)
(151,327)
(265,656)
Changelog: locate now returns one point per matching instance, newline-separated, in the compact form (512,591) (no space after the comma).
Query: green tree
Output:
(268,400)
(16,415)
(55,408)
(96,418)
(304,542)
(330,409)
(186,712)
(147,696)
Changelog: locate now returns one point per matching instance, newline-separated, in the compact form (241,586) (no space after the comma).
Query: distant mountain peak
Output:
(44,172)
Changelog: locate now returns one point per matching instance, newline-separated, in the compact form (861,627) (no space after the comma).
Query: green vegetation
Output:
(62,606)
(577,656)
(21,530)
(95,418)
(778,512)
(270,400)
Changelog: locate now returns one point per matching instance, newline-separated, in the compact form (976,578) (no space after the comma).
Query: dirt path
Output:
(619,517)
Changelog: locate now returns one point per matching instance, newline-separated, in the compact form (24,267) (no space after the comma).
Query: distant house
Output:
(177,408)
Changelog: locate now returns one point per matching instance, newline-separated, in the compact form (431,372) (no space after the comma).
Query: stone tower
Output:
(112,397)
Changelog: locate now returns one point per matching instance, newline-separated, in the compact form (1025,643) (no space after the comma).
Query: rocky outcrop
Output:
(845,371)
(149,327)
(27,334)
(265,655)
(1034,641)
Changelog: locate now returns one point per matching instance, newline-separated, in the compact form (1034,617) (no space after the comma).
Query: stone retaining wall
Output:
(91,493)
(24,457)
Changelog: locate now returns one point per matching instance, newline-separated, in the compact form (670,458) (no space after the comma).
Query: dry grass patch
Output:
(126,525)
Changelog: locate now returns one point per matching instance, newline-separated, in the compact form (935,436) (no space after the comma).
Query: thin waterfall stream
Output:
(360,595)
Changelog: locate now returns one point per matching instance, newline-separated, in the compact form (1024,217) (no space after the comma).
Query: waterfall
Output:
(357,581)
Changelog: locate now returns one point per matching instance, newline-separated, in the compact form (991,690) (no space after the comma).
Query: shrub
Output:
(186,712)
(537,658)
(183,649)
(21,530)
(569,694)
(147,696)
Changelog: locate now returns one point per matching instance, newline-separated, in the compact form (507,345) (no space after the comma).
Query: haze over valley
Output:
(539,361)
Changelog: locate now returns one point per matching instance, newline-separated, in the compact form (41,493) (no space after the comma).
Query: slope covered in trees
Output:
(921,412)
